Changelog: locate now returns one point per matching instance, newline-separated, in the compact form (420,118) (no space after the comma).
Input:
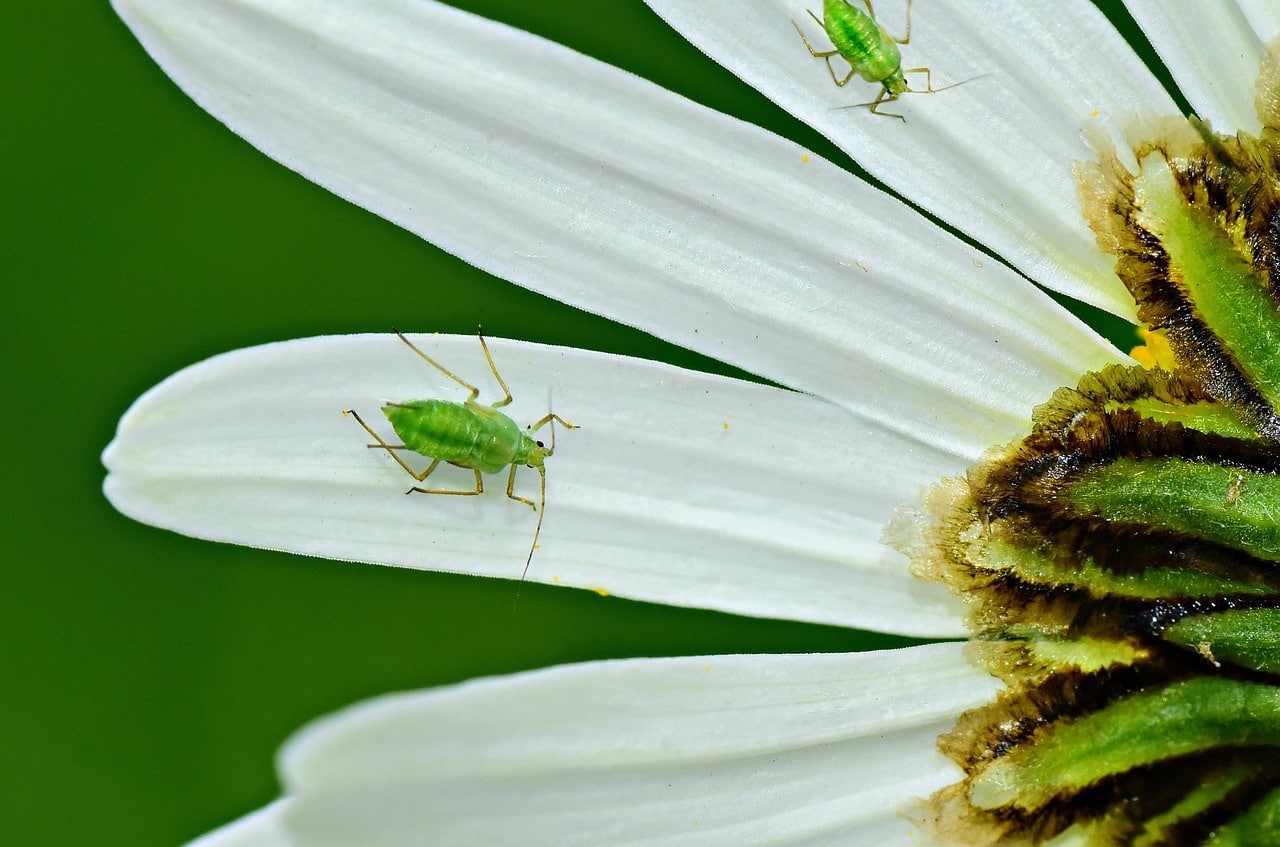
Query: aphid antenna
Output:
(929,90)
(542,496)
(537,530)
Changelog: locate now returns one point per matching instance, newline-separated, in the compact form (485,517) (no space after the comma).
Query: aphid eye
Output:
(540,444)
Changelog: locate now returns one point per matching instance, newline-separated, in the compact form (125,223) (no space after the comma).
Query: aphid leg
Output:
(839,82)
(552,419)
(537,425)
(906,39)
(494,369)
(825,55)
(884,97)
(419,476)
(479,489)
(511,484)
(928,81)
(817,54)
(475,392)
(390,448)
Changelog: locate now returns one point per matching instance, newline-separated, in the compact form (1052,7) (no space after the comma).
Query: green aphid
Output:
(468,435)
(871,52)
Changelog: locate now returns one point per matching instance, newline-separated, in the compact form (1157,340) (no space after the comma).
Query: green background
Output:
(149,678)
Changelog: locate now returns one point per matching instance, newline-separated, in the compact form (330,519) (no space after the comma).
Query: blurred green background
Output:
(149,678)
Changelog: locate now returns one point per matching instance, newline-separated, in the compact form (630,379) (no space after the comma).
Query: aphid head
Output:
(896,83)
(533,452)
(538,452)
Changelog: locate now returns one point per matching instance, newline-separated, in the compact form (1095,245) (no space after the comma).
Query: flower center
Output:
(1122,561)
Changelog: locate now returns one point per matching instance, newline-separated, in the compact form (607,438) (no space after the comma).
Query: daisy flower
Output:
(899,356)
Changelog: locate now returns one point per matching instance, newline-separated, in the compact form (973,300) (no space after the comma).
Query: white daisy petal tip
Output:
(252,448)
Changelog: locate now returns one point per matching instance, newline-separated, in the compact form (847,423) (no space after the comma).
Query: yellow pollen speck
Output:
(706,668)
(1154,351)
(805,158)
(1094,113)
(726,424)
(603,592)
(556,579)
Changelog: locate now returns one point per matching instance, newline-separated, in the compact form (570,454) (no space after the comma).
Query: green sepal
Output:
(1242,637)
(1155,725)
(1257,826)
(1205,416)
(1234,507)
(1215,788)
(1085,575)
(1156,394)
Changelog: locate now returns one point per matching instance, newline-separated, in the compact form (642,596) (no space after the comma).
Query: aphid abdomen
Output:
(868,48)
(455,433)
(499,440)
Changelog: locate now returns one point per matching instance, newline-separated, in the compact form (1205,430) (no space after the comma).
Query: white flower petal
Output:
(993,157)
(1264,15)
(602,190)
(263,828)
(1213,51)
(679,487)
(818,749)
